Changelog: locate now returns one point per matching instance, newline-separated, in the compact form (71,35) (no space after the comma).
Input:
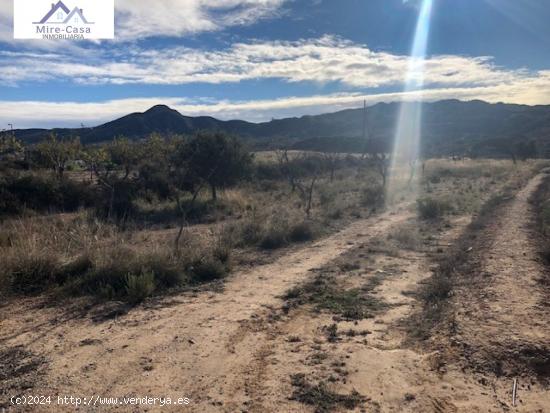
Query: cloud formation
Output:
(169,18)
(71,114)
(323,60)
(180,17)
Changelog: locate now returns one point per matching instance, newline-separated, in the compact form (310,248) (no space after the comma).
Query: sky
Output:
(263,59)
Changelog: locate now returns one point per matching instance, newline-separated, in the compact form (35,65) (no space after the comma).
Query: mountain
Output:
(448,126)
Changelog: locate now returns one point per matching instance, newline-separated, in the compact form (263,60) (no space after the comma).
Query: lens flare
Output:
(406,149)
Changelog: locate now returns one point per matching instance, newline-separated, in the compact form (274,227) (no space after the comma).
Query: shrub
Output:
(268,171)
(42,194)
(327,196)
(321,397)
(139,287)
(301,232)
(77,267)
(108,279)
(407,237)
(33,274)
(215,158)
(431,208)
(372,196)
(168,271)
(222,252)
(438,288)
(208,269)
(274,237)
(250,232)
(117,202)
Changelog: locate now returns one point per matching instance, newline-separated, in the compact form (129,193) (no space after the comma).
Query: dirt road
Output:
(195,346)
(235,350)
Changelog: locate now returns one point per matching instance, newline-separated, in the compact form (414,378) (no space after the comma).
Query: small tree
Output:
(331,159)
(124,154)
(217,159)
(10,146)
(297,176)
(96,160)
(526,150)
(56,153)
(382,164)
(157,165)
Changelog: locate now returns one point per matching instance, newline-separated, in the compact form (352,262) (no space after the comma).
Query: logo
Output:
(66,19)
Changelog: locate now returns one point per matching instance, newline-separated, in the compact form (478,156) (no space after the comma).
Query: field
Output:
(300,285)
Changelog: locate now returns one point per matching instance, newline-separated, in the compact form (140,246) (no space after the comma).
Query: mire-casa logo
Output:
(66,19)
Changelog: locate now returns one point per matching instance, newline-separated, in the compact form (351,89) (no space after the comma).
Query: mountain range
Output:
(448,127)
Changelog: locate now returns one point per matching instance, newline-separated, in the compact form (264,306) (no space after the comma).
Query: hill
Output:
(448,126)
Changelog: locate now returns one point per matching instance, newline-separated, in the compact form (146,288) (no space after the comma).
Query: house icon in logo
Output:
(60,14)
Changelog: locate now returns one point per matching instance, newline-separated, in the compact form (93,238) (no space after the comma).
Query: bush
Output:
(431,208)
(327,196)
(274,237)
(108,281)
(250,232)
(268,171)
(42,194)
(139,287)
(169,272)
(219,160)
(208,269)
(372,196)
(33,274)
(302,232)
(74,268)
(438,288)
(117,203)
(407,237)
(110,278)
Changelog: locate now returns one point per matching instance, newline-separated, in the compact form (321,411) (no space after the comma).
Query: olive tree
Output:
(56,153)
(216,159)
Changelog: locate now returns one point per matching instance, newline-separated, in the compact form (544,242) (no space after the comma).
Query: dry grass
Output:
(76,250)
(77,255)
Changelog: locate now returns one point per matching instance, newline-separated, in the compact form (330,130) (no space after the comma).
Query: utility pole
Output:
(365,143)
(364,120)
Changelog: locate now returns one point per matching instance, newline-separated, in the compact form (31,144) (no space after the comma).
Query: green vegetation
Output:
(170,212)
(432,208)
(321,397)
(60,198)
(325,293)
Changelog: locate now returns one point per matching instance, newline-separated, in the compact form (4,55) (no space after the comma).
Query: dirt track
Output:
(234,350)
(196,347)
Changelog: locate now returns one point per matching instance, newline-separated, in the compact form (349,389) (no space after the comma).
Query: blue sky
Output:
(263,59)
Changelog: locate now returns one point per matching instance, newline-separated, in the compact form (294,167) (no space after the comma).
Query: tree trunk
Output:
(182,224)
(214,194)
(111,204)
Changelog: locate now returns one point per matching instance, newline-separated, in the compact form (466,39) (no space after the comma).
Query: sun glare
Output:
(406,149)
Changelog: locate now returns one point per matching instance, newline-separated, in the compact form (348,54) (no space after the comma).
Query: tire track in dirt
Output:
(508,313)
(194,346)
(502,324)
(377,364)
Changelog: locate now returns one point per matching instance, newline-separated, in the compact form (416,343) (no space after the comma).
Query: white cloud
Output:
(327,59)
(180,17)
(71,114)
(173,18)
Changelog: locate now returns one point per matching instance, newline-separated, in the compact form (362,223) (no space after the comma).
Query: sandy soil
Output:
(192,346)
(235,350)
